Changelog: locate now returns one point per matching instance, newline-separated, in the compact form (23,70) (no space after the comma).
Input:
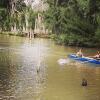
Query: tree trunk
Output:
(27,24)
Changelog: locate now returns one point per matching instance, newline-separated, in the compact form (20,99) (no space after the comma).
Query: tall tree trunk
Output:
(12,13)
(26,21)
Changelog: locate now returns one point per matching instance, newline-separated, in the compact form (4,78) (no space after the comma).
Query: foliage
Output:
(32,17)
(4,3)
(13,14)
(4,19)
(76,19)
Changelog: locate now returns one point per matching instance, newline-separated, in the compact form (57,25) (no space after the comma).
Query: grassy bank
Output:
(13,34)
(25,34)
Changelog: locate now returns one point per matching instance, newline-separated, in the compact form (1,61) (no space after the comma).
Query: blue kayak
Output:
(84,59)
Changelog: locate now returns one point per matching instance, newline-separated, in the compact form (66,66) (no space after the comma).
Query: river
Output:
(30,70)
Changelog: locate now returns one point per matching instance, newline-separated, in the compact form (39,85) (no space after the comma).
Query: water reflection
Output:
(7,75)
(32,73)
(22,70)
(29,70)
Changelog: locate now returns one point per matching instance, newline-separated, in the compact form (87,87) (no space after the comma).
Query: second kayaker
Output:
(97,56)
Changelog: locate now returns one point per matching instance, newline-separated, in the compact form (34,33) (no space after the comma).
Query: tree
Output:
(74,18)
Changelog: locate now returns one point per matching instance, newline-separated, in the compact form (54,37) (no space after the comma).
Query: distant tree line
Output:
(74,22)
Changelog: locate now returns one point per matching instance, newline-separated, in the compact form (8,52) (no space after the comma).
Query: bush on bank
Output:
(74,22)
(75,40)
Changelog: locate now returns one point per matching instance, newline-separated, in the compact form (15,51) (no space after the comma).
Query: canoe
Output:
(84,59)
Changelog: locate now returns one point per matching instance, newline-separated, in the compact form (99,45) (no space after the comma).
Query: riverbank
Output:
(75,40)
(25,34)
(13,34)
(62,39)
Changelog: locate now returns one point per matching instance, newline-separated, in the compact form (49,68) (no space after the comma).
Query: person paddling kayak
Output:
(79,53)
(97,56)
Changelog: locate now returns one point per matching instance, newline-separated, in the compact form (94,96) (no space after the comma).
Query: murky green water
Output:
(29,70)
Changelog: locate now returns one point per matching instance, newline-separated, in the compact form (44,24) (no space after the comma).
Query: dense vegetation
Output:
(71,22)
(74,22)
(16,16)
